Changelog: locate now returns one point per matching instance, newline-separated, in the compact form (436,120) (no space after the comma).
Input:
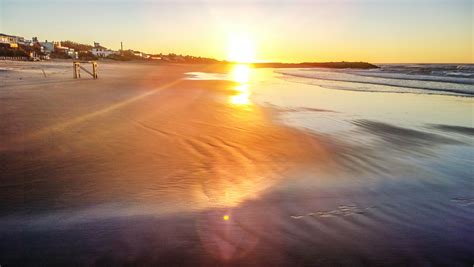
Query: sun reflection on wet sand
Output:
(241,75)
(242,98)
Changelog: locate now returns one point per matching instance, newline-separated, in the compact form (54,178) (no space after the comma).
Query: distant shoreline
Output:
(330,65)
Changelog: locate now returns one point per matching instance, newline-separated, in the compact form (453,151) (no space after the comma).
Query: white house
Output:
(100,51)
(137,53)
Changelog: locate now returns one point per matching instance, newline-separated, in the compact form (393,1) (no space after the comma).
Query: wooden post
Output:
(77,69)
(94,70)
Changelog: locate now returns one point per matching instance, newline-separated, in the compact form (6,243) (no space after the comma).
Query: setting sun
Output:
(241,48)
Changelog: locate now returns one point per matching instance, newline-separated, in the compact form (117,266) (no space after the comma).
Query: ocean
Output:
(396,78)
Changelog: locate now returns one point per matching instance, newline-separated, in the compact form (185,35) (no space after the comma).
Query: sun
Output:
(241,48)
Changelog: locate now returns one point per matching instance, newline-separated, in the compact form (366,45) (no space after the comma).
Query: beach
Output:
(211,165)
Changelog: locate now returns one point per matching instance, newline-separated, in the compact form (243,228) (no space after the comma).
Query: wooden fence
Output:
(15,58)
(76,65)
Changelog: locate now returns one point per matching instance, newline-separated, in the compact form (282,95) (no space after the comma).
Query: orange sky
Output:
(383,31)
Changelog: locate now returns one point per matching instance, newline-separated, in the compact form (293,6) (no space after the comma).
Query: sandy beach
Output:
(143,121)
(170,164)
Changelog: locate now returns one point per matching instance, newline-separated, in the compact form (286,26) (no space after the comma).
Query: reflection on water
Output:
(241,75)
(242,97)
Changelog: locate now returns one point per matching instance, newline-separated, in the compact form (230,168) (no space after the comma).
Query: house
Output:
(66,50)
(26,42)
(100,51)
(22,41)
(10,40)
(137,54)
(48,47)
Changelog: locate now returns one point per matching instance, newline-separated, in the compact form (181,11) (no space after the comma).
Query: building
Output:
(10,40)
(137,53)
(66,50)
(100,51)
(48,47)
(26,42)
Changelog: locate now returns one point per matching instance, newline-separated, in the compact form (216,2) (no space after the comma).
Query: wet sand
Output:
(142,135)
(140,167)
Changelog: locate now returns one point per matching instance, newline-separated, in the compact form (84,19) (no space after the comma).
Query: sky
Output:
(376,31)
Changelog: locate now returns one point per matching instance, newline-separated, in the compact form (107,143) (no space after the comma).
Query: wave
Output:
(391,82)
(461,77)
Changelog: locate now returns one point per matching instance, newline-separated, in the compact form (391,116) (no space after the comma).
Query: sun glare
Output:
(241,75)
(241,49)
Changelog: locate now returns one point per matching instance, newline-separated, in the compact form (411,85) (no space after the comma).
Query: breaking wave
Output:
(421,79)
